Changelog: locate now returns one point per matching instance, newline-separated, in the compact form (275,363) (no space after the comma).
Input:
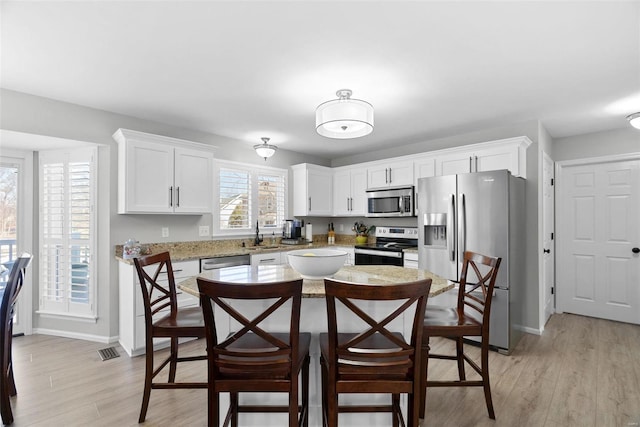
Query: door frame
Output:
(559,183)
(25,233)
(543,206)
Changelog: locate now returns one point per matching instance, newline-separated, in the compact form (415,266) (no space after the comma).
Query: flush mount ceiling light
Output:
(634,120)
(265,150)
(344,117)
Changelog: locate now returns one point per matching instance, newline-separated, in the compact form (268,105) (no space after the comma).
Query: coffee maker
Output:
(292,232)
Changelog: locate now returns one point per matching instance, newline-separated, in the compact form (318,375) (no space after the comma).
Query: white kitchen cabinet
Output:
(312,190)
(163,175)
(507,154)
(410,259)
(390,174)
(270,258)
(350,254)
(349,191)
(131,307)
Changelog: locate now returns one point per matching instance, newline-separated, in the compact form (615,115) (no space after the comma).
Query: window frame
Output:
(254,172)
(66,307)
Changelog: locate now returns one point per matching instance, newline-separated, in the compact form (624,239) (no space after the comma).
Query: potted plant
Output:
(362,232)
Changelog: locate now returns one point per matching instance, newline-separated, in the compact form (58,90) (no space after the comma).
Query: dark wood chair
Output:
(9,297)
(469,318)
(164,320)
(253,359)
(373,360)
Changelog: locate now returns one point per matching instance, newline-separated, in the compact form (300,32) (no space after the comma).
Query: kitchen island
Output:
(313,318)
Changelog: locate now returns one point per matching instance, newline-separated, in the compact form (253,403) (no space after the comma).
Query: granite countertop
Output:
(372,274)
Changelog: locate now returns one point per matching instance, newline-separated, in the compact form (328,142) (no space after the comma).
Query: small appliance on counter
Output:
(292,232)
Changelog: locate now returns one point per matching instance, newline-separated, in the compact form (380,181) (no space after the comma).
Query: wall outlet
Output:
(165,231)
(204,230)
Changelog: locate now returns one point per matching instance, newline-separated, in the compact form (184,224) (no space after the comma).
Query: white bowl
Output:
(317,263)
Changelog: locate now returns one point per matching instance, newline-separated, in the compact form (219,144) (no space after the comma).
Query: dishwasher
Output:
(224,261)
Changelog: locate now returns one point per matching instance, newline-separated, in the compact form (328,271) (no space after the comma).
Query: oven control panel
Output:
(397,232)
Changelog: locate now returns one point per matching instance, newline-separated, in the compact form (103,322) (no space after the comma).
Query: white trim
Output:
(122,135)
(597,160)
(528,330)
(67,316)
(76,335)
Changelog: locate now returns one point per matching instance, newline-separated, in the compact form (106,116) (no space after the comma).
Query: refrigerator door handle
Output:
(462,226)
(451,250)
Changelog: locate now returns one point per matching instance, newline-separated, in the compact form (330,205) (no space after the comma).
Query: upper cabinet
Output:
(312,190)
(390,174)
(503,154)
(349,191)
(158,174)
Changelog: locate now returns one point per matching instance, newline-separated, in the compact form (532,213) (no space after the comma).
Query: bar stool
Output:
(469,318)
(253,359)
(164,320)
(375,360)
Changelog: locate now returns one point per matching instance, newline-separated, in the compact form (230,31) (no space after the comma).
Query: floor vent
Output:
(108,353)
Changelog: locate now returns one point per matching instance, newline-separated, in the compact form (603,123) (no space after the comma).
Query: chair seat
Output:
(444,321)
(369,368)
(186,318)
(233,367)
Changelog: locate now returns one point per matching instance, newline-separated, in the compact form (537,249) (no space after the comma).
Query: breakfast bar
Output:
(313,319)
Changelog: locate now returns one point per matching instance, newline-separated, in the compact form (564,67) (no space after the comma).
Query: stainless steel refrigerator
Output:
(482,212)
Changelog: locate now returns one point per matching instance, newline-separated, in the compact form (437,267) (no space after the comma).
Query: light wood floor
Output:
(581,372)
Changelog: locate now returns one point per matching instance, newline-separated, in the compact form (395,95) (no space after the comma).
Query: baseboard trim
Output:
(76,335)
(528,330)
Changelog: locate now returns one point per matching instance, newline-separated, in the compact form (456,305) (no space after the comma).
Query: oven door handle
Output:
(374,252)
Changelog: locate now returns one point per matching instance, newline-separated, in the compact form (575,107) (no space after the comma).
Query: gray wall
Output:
(598,144)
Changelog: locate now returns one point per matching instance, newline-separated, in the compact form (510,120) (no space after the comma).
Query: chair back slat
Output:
(376,349)
(12,290)
(252,348)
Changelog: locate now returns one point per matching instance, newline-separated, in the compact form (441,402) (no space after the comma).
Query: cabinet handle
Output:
(309,203)
(347,203)
(386,175)
(476,164)
(390,180)
(171,196)
(267,260)
(351,199)
(470,164)
(177,197)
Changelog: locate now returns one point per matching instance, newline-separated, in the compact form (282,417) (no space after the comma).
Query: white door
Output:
(548,251)
(15,227)
(598,270)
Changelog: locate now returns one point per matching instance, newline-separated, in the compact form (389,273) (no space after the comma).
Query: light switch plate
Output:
(204,230)
(165,231)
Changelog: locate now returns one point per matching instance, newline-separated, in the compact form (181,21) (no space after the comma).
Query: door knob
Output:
(635,250)
(546,251)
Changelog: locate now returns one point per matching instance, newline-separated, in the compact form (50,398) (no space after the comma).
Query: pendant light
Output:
(344,118)
(634,120)
(265,150)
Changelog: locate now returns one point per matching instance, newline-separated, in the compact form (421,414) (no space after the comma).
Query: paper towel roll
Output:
(308,233)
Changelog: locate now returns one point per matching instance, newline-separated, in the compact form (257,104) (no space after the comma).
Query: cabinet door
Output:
(342,192)
(451,164)
(358,192)
(193,181)
(320,192)
(400,174)
(378,176)
(148,178)
(496,158)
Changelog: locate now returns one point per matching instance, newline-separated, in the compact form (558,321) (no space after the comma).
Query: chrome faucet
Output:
(258,238)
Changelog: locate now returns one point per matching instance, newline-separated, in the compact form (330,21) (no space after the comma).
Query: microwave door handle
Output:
(451,250)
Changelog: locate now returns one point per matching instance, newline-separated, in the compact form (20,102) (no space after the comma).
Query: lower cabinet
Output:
(271,258)
(410,260)
(131,308)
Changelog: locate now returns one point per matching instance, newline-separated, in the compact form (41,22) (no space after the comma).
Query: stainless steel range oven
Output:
(388,248)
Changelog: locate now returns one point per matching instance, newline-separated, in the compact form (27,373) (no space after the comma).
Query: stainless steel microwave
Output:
(390,202)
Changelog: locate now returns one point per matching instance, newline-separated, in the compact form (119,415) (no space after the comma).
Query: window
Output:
(67,232)
(246,194)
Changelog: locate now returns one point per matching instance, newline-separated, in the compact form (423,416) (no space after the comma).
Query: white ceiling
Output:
(250,69)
